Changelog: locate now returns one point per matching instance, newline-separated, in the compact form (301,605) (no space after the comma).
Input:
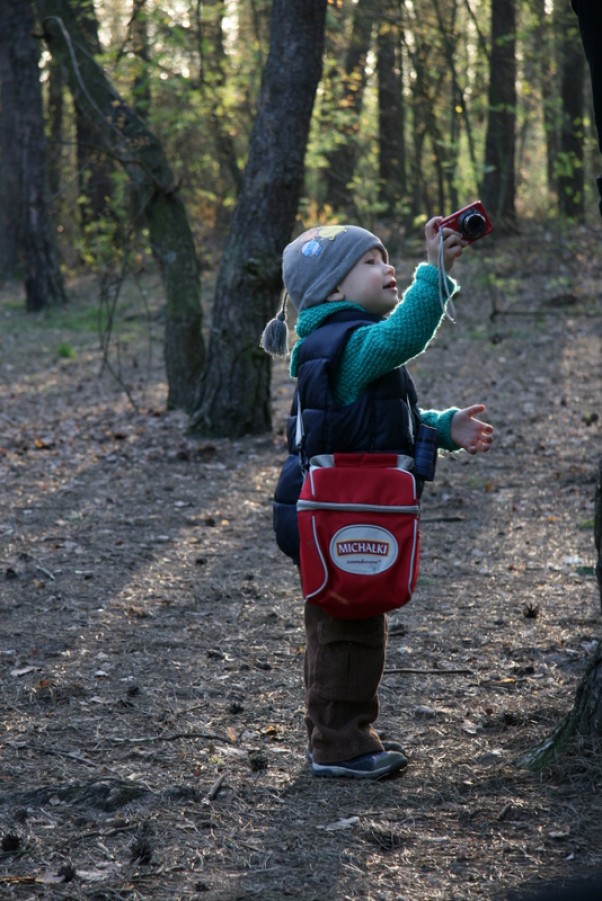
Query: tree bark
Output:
(235,396)
(24,169)
(128,139)
(499,186)
(585,719)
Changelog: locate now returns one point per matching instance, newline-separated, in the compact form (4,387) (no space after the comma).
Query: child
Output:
(355,336)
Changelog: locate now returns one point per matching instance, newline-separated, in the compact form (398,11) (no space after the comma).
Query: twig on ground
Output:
(215,789)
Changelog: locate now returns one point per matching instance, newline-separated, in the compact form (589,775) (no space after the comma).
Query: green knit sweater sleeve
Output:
(375,349)
(441,420)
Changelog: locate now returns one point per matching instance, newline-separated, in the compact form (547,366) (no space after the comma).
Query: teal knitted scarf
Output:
(310,319)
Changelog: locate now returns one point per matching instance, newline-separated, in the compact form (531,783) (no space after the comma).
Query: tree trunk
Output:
(9,152)
(54,116)
(391,110)
(235,397)
(128,139)
(342,160)
(141,87)
(212,82)
(586,716)
(543,63)
(25,160)
(585,719)
(93,165)
(589,13)
(570,173)
(421,194)
(498,190)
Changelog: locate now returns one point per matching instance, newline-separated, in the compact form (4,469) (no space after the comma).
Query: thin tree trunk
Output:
(391,110)
(498,190)
(342,160)
(54,114)
(212,82)
(26,159)
(141,88)
(570,173)
(128,139)
(421,196)
(543,62)
(235,395)
(589,13)
(93,164)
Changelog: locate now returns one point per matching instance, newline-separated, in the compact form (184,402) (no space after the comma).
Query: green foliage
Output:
(193,71)
(66,351)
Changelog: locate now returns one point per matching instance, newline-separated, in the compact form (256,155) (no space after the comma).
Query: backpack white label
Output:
(363,549)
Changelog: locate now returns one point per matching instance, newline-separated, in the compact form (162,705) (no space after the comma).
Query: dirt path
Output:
(151,641)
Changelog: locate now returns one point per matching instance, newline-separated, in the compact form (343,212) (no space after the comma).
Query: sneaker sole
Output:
(337,772)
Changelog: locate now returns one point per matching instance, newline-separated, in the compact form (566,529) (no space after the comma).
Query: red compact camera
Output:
(472,222)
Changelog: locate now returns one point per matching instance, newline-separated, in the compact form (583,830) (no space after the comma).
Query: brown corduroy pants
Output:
(344,661)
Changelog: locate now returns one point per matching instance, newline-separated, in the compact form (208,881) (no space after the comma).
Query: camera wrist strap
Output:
(445,295)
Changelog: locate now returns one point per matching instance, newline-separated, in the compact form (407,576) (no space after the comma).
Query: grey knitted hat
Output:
(313,266)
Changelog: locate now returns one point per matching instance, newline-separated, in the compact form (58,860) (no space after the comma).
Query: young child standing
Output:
(354,337)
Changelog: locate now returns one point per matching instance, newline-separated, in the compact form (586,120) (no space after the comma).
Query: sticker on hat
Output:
(310,241)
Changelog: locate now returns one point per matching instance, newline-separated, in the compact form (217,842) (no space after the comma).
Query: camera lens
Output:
(472,224)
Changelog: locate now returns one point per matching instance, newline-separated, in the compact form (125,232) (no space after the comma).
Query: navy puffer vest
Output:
(376,422)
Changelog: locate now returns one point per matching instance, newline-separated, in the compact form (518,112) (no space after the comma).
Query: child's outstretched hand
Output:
(453,244)
(470,433)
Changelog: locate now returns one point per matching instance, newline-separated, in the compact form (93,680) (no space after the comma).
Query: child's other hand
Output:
(470,433)
(453,244)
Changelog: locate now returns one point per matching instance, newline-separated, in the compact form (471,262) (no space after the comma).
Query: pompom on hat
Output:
(313,266)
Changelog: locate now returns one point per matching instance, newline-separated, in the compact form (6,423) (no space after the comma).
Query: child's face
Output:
(371,283)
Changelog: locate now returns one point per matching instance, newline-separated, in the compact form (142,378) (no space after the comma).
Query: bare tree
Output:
(235,397)
(27,246)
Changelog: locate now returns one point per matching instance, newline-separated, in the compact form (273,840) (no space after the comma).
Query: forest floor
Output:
(151,640)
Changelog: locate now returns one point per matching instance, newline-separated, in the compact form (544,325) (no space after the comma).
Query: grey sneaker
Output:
(367,766)
(387,746)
